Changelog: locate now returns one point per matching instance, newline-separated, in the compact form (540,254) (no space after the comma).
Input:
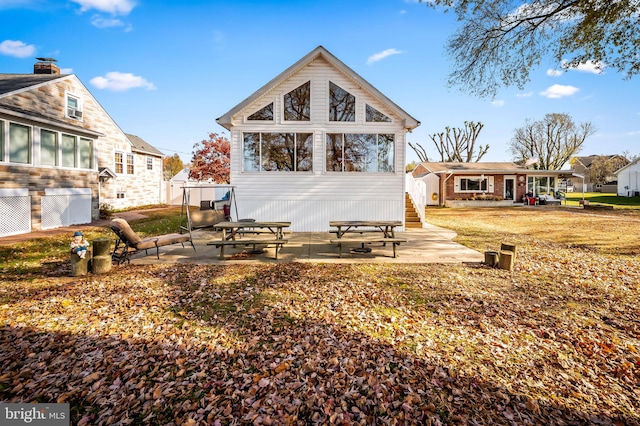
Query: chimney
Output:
(46,66)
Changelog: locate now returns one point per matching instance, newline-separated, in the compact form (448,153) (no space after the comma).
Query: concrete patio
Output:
(429,244)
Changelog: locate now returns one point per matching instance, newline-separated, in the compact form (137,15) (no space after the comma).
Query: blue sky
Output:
(165,70)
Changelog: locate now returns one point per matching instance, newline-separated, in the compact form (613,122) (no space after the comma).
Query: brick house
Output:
(62,155)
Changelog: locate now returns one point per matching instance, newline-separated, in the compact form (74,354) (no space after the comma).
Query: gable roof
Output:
(140,145)
(632,163)
(225,120)
(456,167)
(10,83)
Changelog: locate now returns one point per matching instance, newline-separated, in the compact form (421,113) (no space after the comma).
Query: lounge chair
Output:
(129,242)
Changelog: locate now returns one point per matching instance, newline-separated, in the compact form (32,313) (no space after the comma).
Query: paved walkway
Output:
(427,245)
(430,244)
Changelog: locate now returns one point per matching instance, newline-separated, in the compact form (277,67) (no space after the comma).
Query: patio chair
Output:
(129,242)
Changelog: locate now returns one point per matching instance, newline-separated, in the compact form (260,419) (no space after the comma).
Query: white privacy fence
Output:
(198,191)
(65,206)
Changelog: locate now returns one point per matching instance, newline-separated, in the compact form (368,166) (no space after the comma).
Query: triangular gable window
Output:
(264,114)
(342,104)
(375,116)
(297,103)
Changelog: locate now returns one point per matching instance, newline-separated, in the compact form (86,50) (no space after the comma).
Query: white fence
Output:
(65,206)
(198,191)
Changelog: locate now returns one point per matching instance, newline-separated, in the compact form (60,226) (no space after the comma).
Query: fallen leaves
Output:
(553,342)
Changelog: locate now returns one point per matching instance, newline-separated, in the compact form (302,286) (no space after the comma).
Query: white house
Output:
(318,143)
(629,179)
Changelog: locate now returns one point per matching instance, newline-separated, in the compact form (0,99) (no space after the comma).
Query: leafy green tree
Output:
(549,143)
(499,42)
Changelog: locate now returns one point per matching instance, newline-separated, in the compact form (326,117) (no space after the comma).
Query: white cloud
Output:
(554,73)
(497,103)
(588,67)
(115,7)
(100,22)
(17,48)
(524,95)
(119,82)
(558,91)
(633,133)
(379,56)
(66,70)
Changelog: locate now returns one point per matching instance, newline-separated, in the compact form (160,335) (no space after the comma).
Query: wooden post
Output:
(491,258)
(506,259)
(509,247)
(79,266)
(101,261)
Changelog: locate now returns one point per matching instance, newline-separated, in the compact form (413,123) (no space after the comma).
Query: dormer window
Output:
(74,107)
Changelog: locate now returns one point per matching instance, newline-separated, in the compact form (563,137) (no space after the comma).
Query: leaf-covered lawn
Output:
(556,341)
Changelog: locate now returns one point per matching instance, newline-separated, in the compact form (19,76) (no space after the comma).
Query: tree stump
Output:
(506,260)
(80,266)
(101,262)
(509,247)
(491,258)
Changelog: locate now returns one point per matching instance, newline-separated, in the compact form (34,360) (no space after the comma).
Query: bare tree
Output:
(552,141)
(499,42)
(457,144)
(420,152)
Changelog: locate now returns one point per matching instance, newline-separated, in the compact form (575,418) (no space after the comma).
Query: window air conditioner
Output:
(74,113)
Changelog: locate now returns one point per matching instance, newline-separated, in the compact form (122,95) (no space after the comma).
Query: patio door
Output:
(510,188)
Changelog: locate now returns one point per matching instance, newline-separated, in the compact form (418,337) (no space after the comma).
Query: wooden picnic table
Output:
(232,230)
(375,227)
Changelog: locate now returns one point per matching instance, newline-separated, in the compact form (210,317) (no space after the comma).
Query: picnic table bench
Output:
(230,230)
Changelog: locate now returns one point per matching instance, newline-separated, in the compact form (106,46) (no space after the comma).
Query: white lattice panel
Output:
(65,210)
(15,215)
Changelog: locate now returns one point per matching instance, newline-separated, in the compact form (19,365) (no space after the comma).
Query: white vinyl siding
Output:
(311,199)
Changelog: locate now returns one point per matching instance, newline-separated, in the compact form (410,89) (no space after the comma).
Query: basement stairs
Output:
(411,218)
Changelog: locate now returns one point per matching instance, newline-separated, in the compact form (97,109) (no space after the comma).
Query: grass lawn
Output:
(607,199)
(556,341)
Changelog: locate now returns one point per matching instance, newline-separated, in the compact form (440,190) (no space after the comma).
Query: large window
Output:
(342,104)
(360,152)
(541,185)
(289,152)
(69,150)
(1,140)
(86,153)
(19,143)
(297,103)
(48,148)
(473,183)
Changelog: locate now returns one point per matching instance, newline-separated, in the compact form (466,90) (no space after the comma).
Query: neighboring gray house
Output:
(61,154)
(318,143)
